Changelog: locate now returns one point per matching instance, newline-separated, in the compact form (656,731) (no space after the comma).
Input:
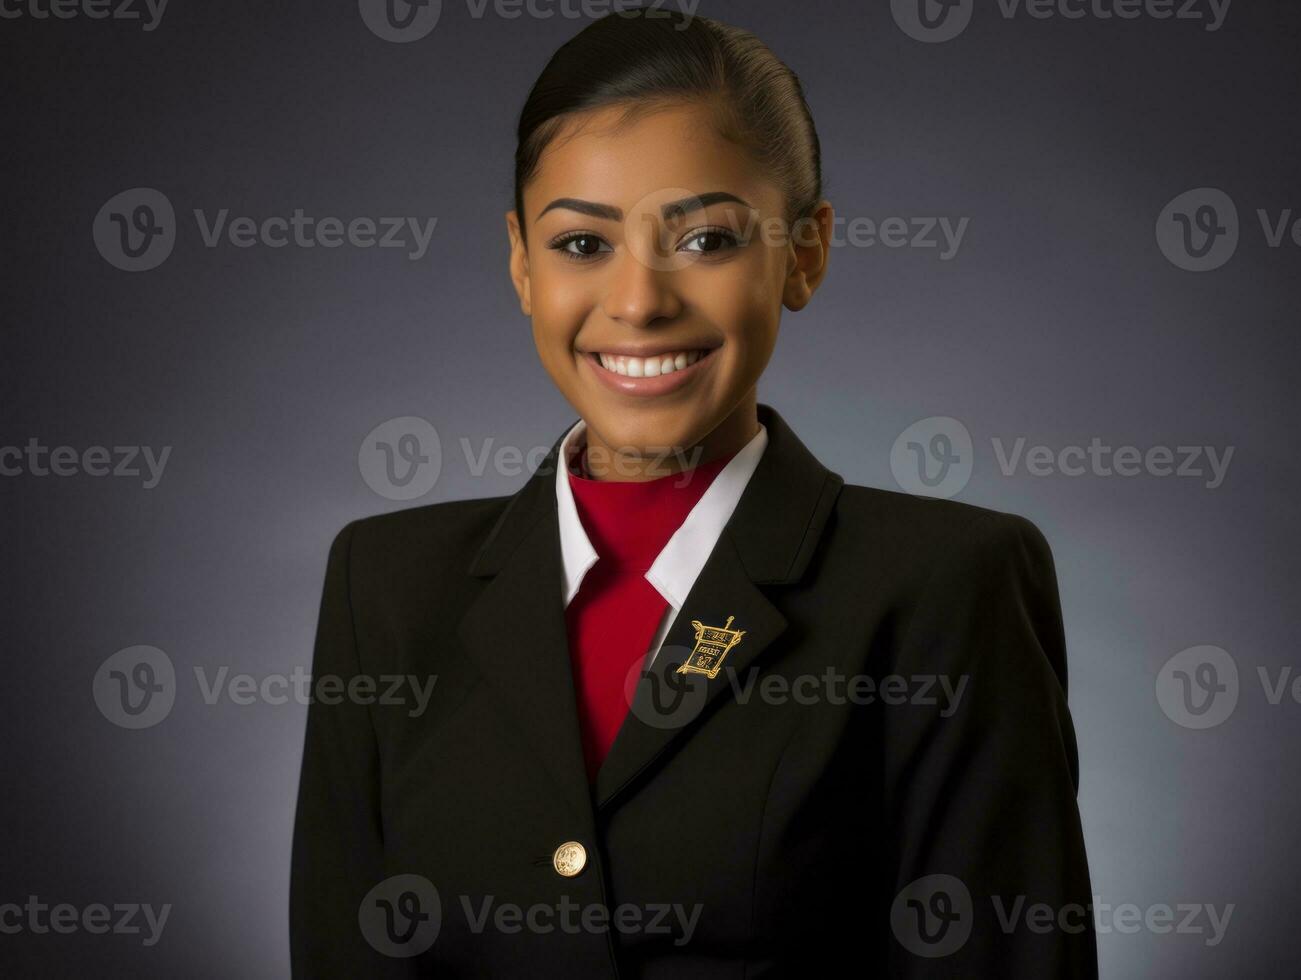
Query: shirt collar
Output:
(675,570)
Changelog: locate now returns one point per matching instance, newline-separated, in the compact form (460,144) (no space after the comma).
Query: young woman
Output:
(699,708)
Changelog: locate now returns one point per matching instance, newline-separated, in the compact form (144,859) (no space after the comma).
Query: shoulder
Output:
(927,521)
(929,540)
(422,539)
(963,584)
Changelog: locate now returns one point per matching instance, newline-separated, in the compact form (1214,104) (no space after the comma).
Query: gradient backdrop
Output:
(1091,297)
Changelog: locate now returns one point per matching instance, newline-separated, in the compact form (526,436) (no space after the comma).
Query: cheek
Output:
(742,299)
(560,305)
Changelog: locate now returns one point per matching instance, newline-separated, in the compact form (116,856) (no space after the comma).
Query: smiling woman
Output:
(650,150)
(613,776)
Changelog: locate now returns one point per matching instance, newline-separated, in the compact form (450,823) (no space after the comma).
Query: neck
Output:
(726,439)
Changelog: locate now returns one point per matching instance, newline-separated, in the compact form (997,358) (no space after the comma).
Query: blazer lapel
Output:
(515,629)
(769,540)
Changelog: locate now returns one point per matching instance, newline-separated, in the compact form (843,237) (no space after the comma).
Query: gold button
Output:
(569,859)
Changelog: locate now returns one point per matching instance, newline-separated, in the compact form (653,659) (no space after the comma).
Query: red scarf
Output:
(615,614)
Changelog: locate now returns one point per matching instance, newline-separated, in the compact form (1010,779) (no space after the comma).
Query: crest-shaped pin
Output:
(712,644)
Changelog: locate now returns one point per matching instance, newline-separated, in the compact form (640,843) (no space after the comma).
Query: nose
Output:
(638,294)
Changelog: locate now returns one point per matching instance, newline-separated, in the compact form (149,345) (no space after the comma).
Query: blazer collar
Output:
(515,629)
(685,552)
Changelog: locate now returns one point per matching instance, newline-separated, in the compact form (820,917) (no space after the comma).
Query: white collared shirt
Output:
(675,569)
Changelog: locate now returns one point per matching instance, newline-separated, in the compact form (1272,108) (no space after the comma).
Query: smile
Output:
(657,374)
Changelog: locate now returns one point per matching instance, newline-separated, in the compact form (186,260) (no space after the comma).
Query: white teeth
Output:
(649,367)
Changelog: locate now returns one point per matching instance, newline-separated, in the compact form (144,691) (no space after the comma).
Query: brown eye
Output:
(580,246)
(710,240)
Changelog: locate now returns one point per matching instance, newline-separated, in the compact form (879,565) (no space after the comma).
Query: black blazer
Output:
(753,835)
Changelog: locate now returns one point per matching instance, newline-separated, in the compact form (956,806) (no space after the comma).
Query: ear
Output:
(810,249)
(519,263)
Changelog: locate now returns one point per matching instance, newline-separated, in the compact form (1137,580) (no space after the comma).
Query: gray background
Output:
(1058,320)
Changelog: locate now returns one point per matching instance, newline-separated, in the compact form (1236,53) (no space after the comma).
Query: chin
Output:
(650,430)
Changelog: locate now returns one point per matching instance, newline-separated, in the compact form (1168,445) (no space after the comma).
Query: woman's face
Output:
(657,246)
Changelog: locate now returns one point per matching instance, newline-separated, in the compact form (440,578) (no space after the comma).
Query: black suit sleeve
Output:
(337,842)
(990,877)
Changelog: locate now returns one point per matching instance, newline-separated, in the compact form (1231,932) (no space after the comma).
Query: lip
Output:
(659,385)
(647,350)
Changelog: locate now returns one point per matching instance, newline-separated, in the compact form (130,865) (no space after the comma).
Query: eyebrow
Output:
(673,209)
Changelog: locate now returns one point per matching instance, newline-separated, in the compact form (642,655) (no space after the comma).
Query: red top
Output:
(615,614)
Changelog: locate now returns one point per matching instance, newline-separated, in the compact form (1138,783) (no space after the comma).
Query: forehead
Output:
(599,156)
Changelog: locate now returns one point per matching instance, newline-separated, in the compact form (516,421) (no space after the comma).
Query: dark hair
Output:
(646,59)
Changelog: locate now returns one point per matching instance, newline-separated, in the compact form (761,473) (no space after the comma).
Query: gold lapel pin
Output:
(712,644)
